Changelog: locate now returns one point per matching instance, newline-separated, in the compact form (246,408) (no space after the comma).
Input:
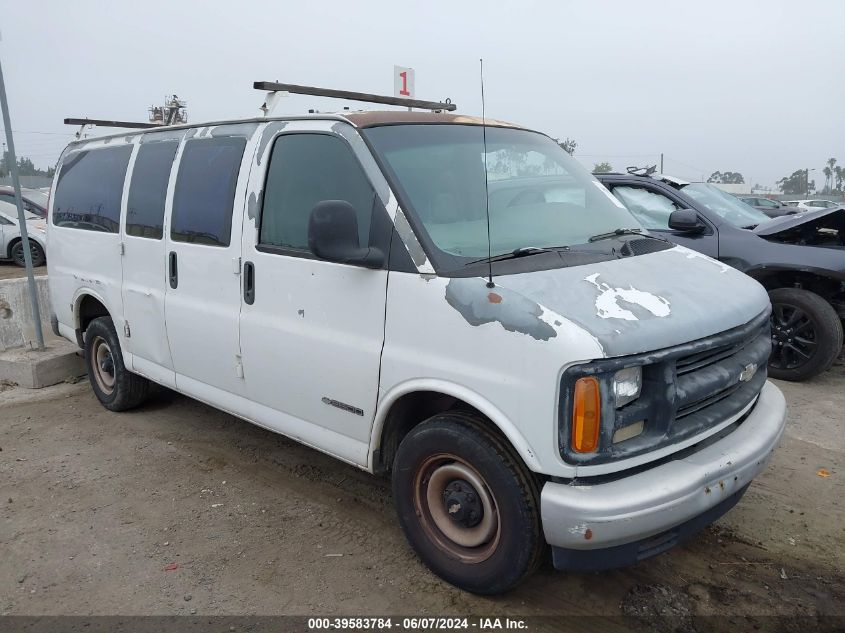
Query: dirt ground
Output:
(8,270)
(177,508)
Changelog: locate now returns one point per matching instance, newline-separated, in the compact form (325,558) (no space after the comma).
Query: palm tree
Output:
(840,176)
(827,180)
(831,164)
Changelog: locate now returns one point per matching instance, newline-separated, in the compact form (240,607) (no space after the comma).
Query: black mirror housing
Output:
(685,220)
(333,235)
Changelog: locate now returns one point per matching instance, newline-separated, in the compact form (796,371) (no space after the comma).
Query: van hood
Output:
(630,305)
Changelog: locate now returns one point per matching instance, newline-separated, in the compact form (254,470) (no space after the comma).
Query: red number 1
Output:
(404,92)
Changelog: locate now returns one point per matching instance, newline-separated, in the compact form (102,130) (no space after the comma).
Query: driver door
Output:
(652,207)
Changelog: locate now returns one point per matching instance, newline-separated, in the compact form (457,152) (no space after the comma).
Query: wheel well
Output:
(11,246)
(409,411)
(89,309)
(819,284)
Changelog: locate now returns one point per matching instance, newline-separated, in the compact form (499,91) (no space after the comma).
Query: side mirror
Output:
(333,235)
(686,221)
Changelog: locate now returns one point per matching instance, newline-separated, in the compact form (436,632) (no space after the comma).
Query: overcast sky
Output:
(755,87)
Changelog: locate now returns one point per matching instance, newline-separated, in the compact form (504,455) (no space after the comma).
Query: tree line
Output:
(25,167)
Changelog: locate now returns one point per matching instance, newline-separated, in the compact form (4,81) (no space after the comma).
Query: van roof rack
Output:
(276,87)
(83,123)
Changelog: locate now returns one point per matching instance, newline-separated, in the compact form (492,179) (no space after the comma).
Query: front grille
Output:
(687,389)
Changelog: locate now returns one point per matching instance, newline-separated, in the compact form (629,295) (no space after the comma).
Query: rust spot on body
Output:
(494,298)
(588,534)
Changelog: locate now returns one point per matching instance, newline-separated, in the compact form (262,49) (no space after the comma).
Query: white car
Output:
(812,205)
(11,245)
(586,386)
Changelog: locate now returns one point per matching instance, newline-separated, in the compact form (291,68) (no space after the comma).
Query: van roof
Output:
(360,119)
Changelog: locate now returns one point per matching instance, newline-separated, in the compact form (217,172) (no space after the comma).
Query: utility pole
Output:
(16,183)
(661,162)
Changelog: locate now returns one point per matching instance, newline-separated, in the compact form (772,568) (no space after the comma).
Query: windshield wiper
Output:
(616,233)
(522,251)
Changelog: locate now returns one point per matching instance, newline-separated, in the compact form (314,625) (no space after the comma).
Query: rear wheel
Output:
(35,250)
(116,387)
(467,504)
(806,334)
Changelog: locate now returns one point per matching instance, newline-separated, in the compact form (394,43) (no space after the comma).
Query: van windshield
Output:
(539,196)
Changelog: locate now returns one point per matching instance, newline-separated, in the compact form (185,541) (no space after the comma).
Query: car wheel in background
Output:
(35,250)
(806,334)
(467,504)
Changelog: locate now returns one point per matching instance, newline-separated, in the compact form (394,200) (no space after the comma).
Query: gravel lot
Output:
(177,508)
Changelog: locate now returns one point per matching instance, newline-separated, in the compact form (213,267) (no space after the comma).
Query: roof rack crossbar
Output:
(274,86)
(103,123)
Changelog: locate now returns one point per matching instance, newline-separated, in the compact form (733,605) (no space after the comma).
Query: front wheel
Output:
(806,334)
(116,387)
(467,504)
(35,250)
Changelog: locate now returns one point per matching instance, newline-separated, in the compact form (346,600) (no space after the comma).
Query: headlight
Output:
(627,384)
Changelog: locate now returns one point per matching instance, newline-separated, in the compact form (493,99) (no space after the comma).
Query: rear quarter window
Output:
(205,190)
(90,188)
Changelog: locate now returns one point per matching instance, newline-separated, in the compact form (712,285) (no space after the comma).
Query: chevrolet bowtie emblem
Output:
(748,373)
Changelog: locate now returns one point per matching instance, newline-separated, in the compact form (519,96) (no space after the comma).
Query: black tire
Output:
(35,250)
(460,442)
(116,387)
(806,334)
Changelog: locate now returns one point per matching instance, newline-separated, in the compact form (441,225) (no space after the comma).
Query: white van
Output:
(327,277)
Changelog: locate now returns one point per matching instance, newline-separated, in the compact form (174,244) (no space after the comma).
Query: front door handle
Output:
(172,270)
(249,283)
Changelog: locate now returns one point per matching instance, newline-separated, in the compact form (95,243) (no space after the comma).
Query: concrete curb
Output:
(33,369)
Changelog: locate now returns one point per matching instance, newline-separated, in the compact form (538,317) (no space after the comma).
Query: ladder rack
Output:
(274,86)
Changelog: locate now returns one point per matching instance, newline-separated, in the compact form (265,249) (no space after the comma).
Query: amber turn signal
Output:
(586,415)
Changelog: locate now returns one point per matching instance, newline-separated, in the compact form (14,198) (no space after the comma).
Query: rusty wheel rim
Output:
(456,509)
(103,362)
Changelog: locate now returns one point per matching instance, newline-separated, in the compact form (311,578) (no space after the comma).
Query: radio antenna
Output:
(490,283)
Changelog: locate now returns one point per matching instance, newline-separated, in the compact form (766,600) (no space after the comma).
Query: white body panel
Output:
(144,290)
(203,311)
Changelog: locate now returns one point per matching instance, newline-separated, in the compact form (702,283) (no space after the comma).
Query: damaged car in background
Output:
(799,259)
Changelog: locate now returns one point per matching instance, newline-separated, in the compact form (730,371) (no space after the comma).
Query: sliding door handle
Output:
(249,283)
(172,269)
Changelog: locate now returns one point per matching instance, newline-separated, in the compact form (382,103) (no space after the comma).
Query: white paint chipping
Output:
(607,303)
(691,254)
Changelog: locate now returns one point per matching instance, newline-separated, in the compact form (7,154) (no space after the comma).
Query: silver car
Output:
(11,246)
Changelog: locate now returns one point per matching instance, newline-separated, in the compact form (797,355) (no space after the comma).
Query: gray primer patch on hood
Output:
(253,207)
(673,299)
(268,133)
(409,238)
(165,135)
(479,304)
(235,129)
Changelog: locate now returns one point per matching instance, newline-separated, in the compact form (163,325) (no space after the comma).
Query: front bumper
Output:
(594,521)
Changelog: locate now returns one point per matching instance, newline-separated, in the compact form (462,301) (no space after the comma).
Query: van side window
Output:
(205,190)
(306,169)
(5,222)
(650,208)
(148,189)
(90,188)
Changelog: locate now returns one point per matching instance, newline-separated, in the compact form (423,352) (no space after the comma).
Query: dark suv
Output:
(799,259)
